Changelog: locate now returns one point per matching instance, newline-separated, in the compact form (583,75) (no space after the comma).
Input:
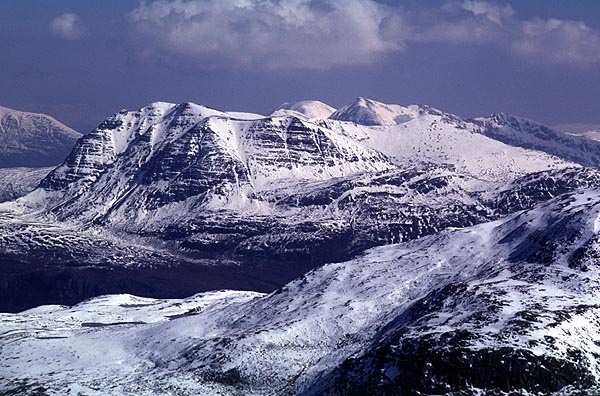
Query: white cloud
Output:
(550,41)
(67,26)
(464,31)
(466,22)
(494,12)
(276,34)
(321,34)
(558,41)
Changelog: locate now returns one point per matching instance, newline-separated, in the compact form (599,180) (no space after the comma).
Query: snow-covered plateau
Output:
(373,249)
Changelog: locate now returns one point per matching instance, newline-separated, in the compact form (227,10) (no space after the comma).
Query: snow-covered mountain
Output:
(405,250)
(33,140)
(173,158)
(306,108)
(270,196)
(168,158)
(432,136)
(505,307)
(365,111)
(515,131)
(529,134)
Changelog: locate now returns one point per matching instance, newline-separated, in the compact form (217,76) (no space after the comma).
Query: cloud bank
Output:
(558,41)
(276,34)
(322,34)
(540,41)
(67,26)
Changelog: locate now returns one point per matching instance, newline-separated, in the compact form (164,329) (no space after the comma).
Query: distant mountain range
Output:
(31,145)
(33,140)
(405,250)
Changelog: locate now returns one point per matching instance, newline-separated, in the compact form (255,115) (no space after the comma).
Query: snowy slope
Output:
(511,130)
(16,182)
(511,305)
(444,139)
(369,112)
(306,108)
(33,140)
(529,134)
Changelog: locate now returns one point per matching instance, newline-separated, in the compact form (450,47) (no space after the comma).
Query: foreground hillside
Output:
(505,306)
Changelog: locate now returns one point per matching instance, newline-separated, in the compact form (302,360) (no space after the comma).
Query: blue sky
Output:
(83,60)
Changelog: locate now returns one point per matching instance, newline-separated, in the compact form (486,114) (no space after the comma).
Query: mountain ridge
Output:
(423,253)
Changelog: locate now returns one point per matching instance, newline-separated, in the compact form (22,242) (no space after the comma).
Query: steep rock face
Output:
(529,134)
(98,150)
(33,140)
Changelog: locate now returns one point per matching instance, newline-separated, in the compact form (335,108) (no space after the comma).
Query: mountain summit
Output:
(365,111)
(187,154)
(308,108)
